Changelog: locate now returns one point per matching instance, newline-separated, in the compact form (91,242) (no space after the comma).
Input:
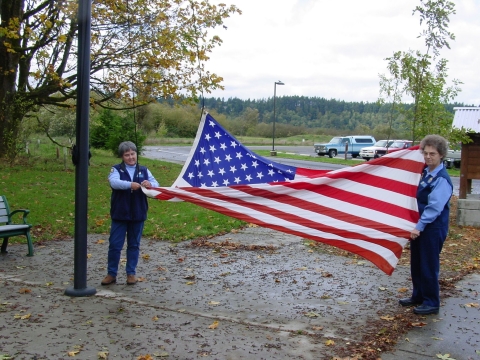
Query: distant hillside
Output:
(309,112)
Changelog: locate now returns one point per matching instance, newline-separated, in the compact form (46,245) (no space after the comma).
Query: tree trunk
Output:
(10,112)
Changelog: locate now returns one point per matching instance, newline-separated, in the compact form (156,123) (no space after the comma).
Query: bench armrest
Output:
(25,214)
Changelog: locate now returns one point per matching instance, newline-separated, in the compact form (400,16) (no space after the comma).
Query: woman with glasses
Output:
(427,238)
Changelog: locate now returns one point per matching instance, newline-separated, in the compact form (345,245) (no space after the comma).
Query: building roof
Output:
(467,117)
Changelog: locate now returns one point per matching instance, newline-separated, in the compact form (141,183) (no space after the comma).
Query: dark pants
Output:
(133,230)
(425,265)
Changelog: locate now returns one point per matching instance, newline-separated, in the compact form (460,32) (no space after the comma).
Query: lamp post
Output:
(273,152)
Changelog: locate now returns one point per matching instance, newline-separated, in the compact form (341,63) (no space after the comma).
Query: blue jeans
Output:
(118,230)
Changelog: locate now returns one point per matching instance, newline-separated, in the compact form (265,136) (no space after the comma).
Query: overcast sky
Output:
(333,49)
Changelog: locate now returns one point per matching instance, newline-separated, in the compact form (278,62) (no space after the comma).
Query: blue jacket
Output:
(128,205)
(427,184)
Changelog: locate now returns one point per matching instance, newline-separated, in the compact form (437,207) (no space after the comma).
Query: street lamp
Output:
(273,153)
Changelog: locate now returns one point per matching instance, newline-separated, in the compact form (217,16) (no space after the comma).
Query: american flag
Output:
(368,209)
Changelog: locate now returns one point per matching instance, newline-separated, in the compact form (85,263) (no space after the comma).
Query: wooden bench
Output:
(8,228)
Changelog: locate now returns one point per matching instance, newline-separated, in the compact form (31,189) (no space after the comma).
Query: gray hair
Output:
(436,141)
(126,146)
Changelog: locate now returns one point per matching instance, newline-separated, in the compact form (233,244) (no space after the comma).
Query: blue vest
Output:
(422,197)
(128,205)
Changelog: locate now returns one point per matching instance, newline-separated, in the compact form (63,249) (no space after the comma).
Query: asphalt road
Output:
(179,154)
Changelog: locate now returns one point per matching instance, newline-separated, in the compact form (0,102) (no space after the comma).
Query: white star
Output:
(211,173)
(254,164)
(190,175)
(248,178)
(237,180)
(244,166)
(199,175)
(270,165)
(206,162)
(223,146)
(239,155)
(290,171)
(214,184)
(259,175)
(211,123)
(226,182)
(228,157)
(207,137)
(233,144)
(221,171)
(217,135)
(203,185)
(271,172)
(212,148)
(202,150)
(217,160)
(197,163)
(233,169)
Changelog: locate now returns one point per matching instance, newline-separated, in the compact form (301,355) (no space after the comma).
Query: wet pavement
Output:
(273,297)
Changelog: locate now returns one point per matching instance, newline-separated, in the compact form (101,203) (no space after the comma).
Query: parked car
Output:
(383,147)
(338,144)
(452,160)
(370,152)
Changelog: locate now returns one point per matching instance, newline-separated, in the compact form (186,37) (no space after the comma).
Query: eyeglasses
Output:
(431,154)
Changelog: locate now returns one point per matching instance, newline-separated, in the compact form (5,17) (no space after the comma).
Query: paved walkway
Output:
(273,299)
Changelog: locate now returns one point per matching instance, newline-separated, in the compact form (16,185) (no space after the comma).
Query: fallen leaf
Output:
(317,328)
(190,282)
(418,324)
(312,314)
(387,317)
(155,318)
(475,305)
(102,354)
(436,338)
(214,325)
(73,353)
(214,303)
(100,241)
(444,357)
(145,357)
(22,317)
(89,256)
(141,279)
(329,342)
(24,291)
(382,288)
(49,283)
(146,257)
(402,290)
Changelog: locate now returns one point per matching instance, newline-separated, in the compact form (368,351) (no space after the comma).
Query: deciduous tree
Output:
(422,76)
(149,47)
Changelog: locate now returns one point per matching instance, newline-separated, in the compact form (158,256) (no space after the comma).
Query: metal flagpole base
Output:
(88,291)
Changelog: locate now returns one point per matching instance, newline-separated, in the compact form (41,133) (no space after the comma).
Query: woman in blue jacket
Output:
(128,211)
(428,236)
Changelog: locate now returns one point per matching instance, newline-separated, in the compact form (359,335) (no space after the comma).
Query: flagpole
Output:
(273,152)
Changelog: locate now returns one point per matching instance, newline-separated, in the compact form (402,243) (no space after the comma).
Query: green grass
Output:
(45,185)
